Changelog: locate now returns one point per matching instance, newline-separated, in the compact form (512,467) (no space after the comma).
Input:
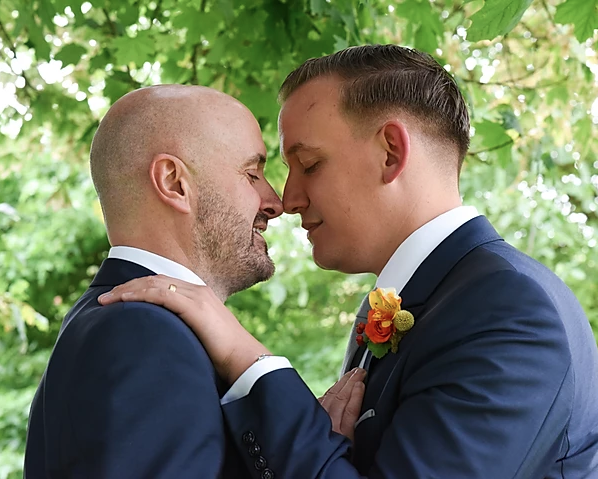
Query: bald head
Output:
(184,121)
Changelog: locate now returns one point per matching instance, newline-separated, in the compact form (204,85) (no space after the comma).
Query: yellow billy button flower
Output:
(387,322)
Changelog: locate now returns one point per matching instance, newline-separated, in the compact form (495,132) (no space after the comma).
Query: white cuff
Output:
(245,382)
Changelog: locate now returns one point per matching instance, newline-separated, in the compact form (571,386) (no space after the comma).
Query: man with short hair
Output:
(494,374)
(129,392)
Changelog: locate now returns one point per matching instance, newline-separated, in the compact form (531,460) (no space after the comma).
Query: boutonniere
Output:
(387,322)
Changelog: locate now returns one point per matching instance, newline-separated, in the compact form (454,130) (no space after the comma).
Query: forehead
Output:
(317,95)
(311,113)
(236,134)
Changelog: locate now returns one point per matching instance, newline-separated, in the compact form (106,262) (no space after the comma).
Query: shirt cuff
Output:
(245,382)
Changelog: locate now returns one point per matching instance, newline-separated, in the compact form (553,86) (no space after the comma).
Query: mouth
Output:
(311,227)
(259,229)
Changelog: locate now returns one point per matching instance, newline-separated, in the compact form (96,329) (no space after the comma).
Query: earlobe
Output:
(395,139)
(170,180)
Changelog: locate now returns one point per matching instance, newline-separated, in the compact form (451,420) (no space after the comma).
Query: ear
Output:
(395,140)
(170,180)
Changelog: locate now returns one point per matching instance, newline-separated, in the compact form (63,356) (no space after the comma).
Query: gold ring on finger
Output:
(172,288)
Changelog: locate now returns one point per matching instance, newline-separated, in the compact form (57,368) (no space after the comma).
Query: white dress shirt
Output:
(160,265)
(411,253)
(419,245)
(156,263)
(397,272)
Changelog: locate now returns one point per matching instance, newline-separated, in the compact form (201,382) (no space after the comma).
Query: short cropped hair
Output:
(379,79)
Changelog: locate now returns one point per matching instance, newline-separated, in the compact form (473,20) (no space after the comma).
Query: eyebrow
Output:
(299,146)
(257,160)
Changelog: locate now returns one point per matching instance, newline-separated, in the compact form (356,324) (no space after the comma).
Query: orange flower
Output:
(380,326)
(387,323)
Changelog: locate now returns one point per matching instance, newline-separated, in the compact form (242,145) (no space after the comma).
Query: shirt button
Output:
(248,437)
(267,474)
(260,463)
(255,449)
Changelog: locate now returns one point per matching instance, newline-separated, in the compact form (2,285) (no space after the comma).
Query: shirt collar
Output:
(156,263)
(418,246)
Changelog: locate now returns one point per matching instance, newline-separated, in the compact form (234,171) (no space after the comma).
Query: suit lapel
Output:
(384,375)
(447,254)
(421,286)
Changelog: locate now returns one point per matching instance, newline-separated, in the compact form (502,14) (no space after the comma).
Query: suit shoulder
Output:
(127,328)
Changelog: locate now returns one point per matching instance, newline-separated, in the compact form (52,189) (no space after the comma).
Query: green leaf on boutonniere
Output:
(379,349)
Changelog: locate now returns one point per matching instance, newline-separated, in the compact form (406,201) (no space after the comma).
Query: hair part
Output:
(381,80)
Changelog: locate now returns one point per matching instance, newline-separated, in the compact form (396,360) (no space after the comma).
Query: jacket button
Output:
(248,437)
(260,463)
(267,474)
(255,449)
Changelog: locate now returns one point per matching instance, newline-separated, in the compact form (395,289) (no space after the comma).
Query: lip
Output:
(261,227)
(310,227)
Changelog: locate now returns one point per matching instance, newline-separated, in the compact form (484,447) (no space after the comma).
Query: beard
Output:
(235,257)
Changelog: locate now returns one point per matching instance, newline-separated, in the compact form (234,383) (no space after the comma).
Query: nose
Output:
(294,199)
(271,204)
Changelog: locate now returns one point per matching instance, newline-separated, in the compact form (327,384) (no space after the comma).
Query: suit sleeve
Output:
(486,395)
(144,401)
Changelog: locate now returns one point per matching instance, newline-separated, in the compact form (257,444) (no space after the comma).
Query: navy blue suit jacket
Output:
(129,392)
(498,379)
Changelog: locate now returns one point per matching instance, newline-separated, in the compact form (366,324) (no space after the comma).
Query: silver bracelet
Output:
(263,356)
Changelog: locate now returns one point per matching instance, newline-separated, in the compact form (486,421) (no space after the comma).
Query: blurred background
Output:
(528,70)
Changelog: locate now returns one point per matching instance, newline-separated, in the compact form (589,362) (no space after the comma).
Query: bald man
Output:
(129,392)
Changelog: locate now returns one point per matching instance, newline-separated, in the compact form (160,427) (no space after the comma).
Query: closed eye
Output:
(311,169)
(253,178)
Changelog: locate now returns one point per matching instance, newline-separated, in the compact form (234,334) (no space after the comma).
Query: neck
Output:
(411,218)
(168,247)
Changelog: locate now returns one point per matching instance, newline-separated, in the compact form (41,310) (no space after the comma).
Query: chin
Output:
(336,263)
(326,262)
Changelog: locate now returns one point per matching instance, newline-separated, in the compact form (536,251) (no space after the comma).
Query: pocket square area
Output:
(366,415)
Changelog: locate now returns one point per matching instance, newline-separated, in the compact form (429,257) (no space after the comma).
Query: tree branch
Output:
(156,12)
(492,148)
(194,80)
(114,32)
(11,46)
(550,17)
(110,22)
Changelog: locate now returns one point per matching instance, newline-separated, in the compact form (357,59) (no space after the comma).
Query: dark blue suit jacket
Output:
(129,392)
(498,379)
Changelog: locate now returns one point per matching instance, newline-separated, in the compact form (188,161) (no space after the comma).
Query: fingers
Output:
(158,289)
(352,410)
(338,386)
(346,393)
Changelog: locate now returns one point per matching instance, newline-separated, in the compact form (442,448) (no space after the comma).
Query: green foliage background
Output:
(528,70)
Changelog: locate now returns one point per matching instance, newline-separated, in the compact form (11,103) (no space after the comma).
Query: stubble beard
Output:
(226,245)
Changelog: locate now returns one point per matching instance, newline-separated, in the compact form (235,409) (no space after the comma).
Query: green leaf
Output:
(317,6)
(36,37)
(136,50)
(340,43)
(75,5)
(490,134)
(583,14)
(70,54)
(496,17)
(509,119)
(582,131)
(46,13)
(198,24)
(115,88)
(129,14)
(422,17)
(560,93)
(379,350)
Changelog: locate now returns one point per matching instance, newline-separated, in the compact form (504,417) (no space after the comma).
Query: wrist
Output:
(241,362)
